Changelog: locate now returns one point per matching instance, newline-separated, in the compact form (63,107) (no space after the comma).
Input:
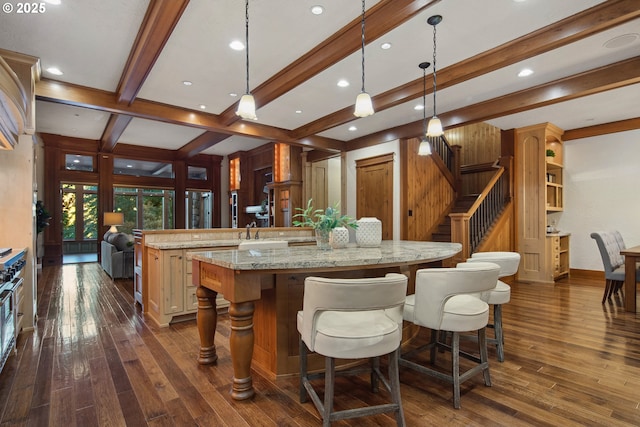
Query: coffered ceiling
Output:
(124,63)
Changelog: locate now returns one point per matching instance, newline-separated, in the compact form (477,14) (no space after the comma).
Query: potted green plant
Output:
(323,221)
(550,154)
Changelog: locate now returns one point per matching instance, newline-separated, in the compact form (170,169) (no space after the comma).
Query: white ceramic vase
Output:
(339,238)
(369,232)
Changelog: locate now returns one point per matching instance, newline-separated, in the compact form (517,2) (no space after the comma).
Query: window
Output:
(142,168)
(196,172)
(198,208)
(79,212)
(149,209)
(77,162)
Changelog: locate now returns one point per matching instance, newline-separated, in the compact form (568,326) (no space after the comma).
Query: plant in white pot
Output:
(323,221)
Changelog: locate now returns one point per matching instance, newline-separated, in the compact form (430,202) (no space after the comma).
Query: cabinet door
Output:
(173,281)
(154,275)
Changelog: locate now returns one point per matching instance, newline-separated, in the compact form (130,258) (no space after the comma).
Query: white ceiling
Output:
(90,41)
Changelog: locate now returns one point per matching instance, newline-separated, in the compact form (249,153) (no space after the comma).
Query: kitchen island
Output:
(265,289)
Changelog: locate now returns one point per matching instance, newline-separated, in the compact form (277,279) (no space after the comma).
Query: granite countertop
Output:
(222,243)
(310,257)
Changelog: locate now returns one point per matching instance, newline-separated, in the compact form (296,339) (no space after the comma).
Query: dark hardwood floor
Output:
(93,360)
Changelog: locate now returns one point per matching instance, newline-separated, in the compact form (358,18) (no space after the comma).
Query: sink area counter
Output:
(163,265)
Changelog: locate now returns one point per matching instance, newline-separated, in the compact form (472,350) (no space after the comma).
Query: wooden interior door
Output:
(374,184)
(319,184)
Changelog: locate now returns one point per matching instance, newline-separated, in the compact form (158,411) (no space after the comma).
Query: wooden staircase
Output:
(462,204)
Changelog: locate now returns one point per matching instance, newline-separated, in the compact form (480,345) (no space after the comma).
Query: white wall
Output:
(602,192)
(352,156)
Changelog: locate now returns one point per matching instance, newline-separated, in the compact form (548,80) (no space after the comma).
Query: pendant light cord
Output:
(434,69)
(363,45)
(246,22)
(424,100)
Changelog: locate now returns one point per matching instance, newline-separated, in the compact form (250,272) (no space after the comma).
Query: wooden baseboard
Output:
(587,274)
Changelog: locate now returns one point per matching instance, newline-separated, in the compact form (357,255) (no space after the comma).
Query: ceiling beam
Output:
(95,99)
(200,143)
(157,26)
(613,76)
(603,129)
(380,19)
(113,131)
(599,18)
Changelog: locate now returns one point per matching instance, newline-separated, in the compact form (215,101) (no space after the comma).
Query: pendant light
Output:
(435,126)
(247,105)
(364,106)
(425,148)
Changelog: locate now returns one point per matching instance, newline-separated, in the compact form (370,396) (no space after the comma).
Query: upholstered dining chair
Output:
(446,301)
(352,319)
(501,294)
(610,244)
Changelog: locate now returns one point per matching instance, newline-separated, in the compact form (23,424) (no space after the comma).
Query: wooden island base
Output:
(264,304)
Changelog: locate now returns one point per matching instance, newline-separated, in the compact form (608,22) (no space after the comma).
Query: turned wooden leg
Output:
(207,320)
(241,346)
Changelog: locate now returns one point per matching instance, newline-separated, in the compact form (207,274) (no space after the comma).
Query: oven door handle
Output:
(4,296)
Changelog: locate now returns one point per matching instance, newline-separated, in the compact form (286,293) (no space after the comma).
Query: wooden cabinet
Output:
(539,192)
(558,256)
(171,292)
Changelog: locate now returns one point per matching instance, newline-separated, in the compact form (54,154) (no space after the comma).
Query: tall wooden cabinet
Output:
(539,184)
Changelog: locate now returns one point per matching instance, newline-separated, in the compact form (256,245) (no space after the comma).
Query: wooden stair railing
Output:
(447,160)
(469,228)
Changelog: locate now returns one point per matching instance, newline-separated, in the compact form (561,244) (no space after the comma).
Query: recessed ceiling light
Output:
(317,9)
(298,111)
(525,72)
(419,107)
(55,71)
(187,83)
(621,41)
(233,94)
(343,83)
(236,45)
(385,46)
(203,107)
(352,128)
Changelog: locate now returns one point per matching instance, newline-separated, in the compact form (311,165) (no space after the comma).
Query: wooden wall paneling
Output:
(428,194)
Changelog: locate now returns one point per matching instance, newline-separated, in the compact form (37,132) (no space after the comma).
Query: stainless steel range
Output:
(11,290)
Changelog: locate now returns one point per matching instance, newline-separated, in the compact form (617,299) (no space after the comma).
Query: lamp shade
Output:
(435,127)
(247,107)
(113,219)
(424,149)
(364,106)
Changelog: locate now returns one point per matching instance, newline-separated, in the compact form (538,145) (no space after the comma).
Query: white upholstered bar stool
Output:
(501,294)
(352,319)
(446,301)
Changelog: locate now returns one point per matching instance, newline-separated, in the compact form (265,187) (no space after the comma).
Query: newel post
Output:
(460,234)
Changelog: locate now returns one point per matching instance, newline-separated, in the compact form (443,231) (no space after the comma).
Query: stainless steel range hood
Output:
(14,105)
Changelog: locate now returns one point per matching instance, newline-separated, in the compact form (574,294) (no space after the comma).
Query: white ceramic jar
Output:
(339,238)
(369,232)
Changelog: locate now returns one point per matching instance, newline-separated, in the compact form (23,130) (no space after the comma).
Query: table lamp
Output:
(113,219)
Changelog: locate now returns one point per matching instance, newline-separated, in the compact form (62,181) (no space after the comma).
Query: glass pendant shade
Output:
(435,127)
(247,107)
(424,149)
(364,106)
